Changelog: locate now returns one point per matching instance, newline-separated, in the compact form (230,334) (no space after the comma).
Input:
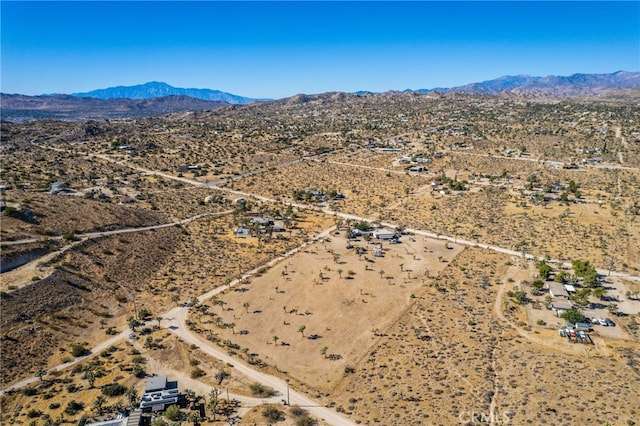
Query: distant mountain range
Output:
(157,89)
(19,108)
(156,98)
(556,86)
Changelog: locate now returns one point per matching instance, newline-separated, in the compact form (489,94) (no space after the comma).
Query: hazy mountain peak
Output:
(154,89)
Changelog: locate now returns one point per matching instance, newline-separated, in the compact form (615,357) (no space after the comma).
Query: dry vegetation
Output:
(387,340)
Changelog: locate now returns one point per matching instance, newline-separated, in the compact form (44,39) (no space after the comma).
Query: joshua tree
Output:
(417,331)
(98,403)
(189,395)
(132,396)
(214,401)
(245,305)
(301,329)
(41,373)
(91,378)
(340,273)
(275,339)
(323,351)
(133,323)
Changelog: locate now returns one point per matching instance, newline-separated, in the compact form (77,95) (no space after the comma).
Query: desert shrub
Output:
(172,413)
(34,413)
(71,388)
(541,322)
(305,421)
(138,359)
(78,350)
(115,389)
(297,411)
(258,389)
(272,414)
(73,407)
(54,406)
(138,371)
(29,391)
(538,284)
(197,372)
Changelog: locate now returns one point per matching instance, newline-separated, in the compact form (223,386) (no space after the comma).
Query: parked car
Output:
(133,336)
(602,321)
(610,322)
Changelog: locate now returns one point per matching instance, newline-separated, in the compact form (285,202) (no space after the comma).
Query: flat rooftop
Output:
(156,383)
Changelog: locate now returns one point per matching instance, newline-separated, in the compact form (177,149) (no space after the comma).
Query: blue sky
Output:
(278,49)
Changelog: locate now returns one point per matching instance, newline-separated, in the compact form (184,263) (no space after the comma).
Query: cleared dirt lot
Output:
(345,299)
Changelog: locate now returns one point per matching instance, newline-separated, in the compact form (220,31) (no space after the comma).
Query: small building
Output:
(383,235)
(582,326)
(560,305)
(262,221)
(159,394)
(57,187)
(155,384)
(417,169)
(557,290)
(241,232)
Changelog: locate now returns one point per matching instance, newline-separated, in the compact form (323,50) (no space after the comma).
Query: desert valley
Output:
(392,258)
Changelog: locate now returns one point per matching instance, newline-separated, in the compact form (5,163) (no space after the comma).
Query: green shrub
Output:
(29,391)
(258,389)
(272,414)
(34,413)
(73,407)
(172,413)
(197,372)
(305,421)
(115,389)
(78,350)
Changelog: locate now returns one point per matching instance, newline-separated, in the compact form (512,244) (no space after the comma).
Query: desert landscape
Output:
(393,259)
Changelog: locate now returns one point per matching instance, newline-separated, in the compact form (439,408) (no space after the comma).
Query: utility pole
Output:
(610,266)
(288,402)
